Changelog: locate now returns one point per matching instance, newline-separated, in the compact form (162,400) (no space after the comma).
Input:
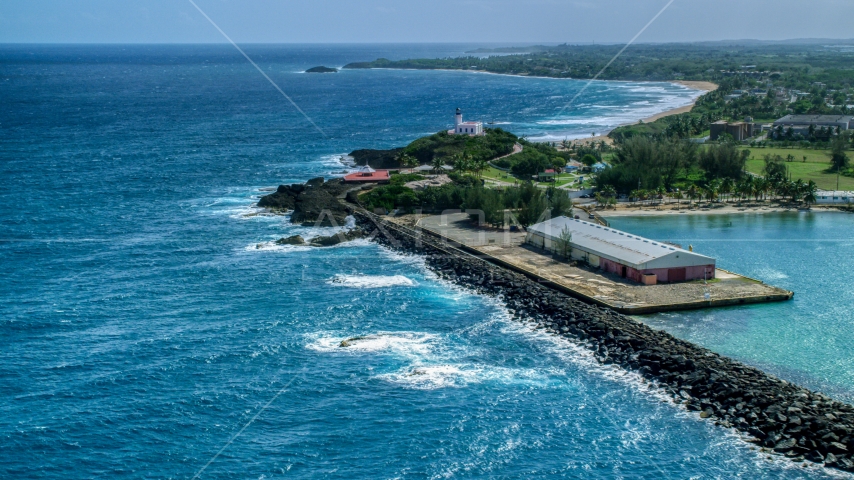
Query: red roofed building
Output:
(367,174)
(547,176)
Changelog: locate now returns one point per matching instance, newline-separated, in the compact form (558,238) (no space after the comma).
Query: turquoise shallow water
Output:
(809,340)
(141,327)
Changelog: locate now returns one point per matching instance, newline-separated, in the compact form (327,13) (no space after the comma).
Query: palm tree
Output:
(713,189)
(809,193)
(711,194)
(678,196)
(479,166)
(660,192)
(727,186)
(437,164)
(461,165)
(798,188)
(692,194)
(606,195)
(407,161)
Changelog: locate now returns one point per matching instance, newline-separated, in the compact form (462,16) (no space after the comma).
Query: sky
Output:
(510,22)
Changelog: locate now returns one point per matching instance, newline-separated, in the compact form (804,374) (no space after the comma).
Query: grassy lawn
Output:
(495,174)
(815,168)
(814,156)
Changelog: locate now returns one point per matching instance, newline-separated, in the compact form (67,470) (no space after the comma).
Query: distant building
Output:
(598,167)
(465,128)
(547,176)
(738,130)
(367,175)
(629,256)
(801,123)
(826,197)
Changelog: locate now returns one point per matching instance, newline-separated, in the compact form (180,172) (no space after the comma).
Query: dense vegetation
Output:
(822,76)
(523,205)
(797,64)
(533,159)
(645,168)
(449,148)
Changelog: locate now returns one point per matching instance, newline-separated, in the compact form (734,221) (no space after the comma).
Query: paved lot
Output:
(459,227)
(609,289)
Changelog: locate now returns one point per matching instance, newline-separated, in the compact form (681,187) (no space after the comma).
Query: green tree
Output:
(838,157)
(559,202)
(589,160)
(797,189)
(461,164)
(533,211)
(724,160)
(727,186)
(693,194)
(407,160)
(563,244)
(810,193)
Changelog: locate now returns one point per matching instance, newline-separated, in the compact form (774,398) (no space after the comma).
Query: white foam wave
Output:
(272,246)
(407,344)
(371,281)
(338,164)
(767,273)
(431,377)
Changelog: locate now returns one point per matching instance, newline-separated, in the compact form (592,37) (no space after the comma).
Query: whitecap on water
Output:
(431,377)
(272,246)
(766,273)
(434,376)
(338,164)
(408,344)
(371,281)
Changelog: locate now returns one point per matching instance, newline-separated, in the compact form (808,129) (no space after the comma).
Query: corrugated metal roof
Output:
(619,246)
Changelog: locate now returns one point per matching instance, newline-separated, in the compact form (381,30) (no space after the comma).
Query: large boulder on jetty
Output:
(314,203)
(283,199)
(337,238)
(292,240)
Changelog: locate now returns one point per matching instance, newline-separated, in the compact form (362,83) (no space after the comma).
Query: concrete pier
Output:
(508,250)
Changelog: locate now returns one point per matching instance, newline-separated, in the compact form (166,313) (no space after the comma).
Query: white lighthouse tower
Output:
(466,128)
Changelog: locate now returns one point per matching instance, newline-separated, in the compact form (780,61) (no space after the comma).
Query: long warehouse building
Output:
(629,256)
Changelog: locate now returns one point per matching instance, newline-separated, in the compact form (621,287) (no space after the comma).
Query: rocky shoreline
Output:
(314,203)
(779,416)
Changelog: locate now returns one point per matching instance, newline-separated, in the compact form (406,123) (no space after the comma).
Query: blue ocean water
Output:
(147,322)
(808,340)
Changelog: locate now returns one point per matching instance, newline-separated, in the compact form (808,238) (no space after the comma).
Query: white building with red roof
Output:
(465,128)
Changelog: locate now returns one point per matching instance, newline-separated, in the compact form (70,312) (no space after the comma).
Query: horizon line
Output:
(520,44)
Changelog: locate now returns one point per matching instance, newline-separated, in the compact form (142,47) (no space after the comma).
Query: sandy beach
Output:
(704,86)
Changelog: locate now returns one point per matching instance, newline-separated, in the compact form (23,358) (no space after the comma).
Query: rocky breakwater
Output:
(313,203)
(779,416)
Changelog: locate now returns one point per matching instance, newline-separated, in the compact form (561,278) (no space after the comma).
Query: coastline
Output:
(701,86)
(704,87)
(671,210)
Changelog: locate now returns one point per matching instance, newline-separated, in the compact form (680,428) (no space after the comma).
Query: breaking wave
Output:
(371,281)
